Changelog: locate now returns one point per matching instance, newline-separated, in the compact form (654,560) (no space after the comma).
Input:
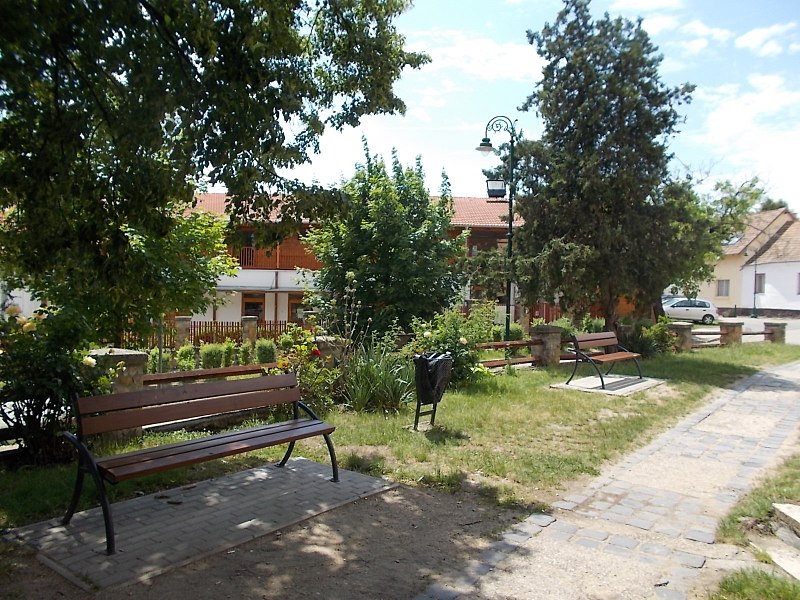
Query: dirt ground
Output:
(391,545)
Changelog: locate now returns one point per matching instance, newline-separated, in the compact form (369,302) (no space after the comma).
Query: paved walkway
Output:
(159,532)
(645,527)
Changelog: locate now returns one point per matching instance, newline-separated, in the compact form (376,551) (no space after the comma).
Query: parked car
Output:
(692,309)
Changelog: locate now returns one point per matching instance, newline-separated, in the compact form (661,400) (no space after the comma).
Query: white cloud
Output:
(481,57)
(646,5)
(761,40)
(659,23)
(694,46)
(700,29)
(754,131)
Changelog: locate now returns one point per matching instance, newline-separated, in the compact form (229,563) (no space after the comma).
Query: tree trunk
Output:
(608,305)
(658,310)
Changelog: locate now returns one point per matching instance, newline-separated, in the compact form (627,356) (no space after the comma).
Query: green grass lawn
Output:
(512,438)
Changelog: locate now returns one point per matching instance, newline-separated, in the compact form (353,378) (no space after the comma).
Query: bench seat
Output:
(162,458)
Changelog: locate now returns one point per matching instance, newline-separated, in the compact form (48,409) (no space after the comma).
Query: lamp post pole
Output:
(755,288)
(496,124)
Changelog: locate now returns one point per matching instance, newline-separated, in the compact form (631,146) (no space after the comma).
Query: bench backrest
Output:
(205,374)
(603,339)
(114,412)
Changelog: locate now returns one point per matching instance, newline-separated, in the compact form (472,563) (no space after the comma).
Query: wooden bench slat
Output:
(614,357)
(197,374)
(116,460)
(167,395)
(217,447)
(200,407)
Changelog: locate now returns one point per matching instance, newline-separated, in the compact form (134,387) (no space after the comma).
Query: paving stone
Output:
(699,535)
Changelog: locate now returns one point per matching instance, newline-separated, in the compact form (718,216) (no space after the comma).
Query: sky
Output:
(743,121)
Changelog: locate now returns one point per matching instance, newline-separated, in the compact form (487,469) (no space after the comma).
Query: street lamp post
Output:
(496,189)
(754,314)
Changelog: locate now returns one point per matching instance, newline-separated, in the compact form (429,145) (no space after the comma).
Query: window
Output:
(723,287)
(761,280)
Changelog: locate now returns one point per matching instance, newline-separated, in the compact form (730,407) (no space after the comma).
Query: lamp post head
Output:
(485,147)
(496,188)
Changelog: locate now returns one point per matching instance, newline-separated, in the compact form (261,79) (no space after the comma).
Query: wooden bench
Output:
(508,359)
(205,374)
(116,412)
(582,344)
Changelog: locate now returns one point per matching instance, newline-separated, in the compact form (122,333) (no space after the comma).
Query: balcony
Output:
(281,258)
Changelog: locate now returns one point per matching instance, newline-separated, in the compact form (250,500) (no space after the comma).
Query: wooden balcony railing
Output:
(255,258)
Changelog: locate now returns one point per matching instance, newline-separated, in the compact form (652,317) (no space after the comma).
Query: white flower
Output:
(427,334)
(462,340)
(89,361)
(29,326)
(12,310)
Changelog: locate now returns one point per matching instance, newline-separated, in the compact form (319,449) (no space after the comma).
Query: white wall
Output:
(780,286)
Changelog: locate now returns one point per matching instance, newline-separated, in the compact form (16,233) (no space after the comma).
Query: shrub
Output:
(514,331)
(246,353)
(186,359)
(228,353)
(167,356)
(266,351)
(317,381)
(211,356)
(44,365)
(648,339)
(591,324)
(457,334)
(566,326)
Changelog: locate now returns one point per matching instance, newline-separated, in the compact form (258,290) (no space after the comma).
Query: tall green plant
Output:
(391,250)
(377,380)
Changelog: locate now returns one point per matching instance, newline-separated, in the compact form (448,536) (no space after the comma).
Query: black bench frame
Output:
(613,353)
(130,410)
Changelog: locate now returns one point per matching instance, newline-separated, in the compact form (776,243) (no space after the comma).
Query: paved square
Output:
(162,531)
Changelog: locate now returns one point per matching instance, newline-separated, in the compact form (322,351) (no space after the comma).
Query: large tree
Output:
(390,252)
(112,112)
(591,187)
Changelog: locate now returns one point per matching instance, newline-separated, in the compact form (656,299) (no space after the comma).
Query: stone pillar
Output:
(130,379)
(683,333)
(183,331)
(775,332)
(549,351)
(730,333)
(249,329)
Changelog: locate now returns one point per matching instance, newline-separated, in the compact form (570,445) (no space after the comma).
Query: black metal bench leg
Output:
(574,370)
(599,374)
(76,496)
(286,456)
(111,546)
(332,452)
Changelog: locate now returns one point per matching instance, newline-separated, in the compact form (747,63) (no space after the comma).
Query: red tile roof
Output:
(468,212)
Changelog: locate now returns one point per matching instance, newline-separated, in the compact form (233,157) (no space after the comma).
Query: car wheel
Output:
(708,319)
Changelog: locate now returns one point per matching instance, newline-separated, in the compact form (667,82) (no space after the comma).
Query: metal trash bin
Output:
(432,373)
